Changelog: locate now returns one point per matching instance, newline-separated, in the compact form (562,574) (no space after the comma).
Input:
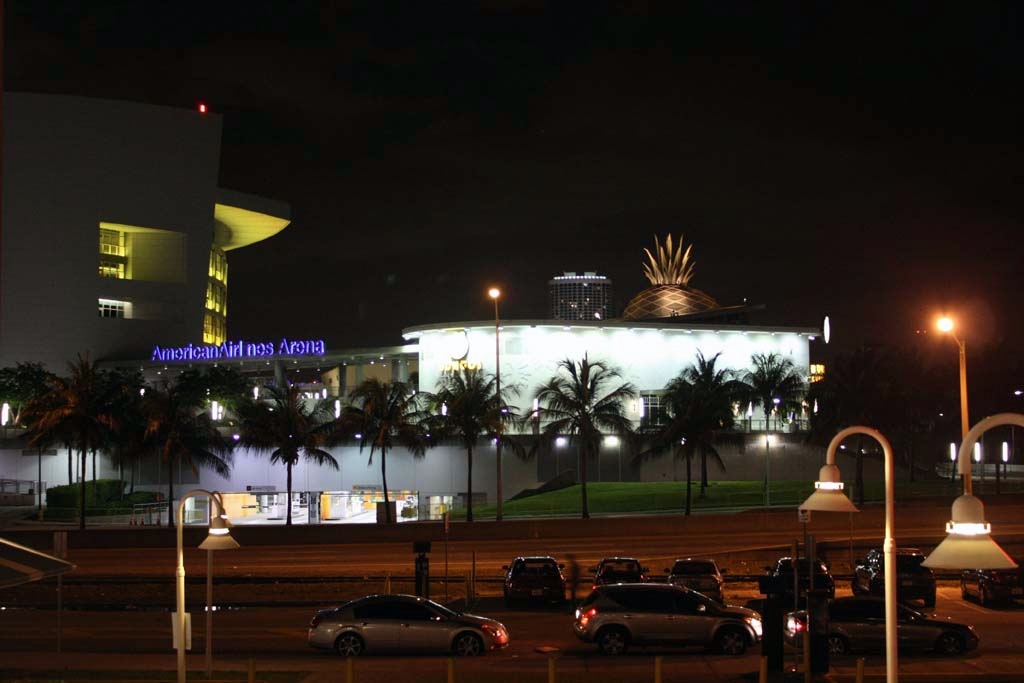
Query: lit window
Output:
(110,308)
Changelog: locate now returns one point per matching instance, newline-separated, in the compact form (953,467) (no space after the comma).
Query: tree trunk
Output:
(170,493)
(81,492)
(384,482)
(703,471)
(583,482)
(689,481)
(71,474)
(288,506)
(469,484)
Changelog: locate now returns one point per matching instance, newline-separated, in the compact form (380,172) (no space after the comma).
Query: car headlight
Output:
(756,625)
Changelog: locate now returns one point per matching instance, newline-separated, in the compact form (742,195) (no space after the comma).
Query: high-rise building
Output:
(580,297)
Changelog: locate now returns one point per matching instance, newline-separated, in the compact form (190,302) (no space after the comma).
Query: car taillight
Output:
(585,617)
(315,621)
(794,625)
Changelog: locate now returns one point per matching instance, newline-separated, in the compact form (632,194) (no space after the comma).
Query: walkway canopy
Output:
(19,564)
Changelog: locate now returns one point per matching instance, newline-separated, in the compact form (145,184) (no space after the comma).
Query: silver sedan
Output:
(403,623)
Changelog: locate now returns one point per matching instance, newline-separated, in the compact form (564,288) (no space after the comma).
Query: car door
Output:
(421,629)
(644,613)
(915,633)
(378,624)
(689,621)
(861,622)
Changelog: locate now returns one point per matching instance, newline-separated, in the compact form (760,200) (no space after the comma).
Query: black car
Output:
(857,623)
(535,578)
(619,570)
(779,580)
(992,585)
(914,581)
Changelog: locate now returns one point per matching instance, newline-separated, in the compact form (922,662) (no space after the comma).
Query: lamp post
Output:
(218,538)
(968,543)
(945,324)
(495,294)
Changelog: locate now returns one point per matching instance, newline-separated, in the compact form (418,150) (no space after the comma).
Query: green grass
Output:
(131,676)
(670,497)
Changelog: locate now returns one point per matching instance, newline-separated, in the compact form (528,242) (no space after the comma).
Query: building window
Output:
(110,308)
(111,242)
(111,269)
(654,414)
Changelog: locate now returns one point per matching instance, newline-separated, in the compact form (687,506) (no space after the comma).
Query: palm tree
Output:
(75,410)
(580,403)
(858,389)
(382,415)
(289,427)
(182,433)
(699,402)
(465,408)
(775,385)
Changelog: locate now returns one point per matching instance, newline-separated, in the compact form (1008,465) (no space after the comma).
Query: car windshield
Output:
(535,568)
(909,561)
(690,568)
(444,611)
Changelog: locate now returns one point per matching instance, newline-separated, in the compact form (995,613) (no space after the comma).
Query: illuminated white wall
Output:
(647,355)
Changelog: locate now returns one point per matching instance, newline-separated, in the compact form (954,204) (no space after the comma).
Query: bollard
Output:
(657,669)
(551,669)
(387,583)
(451,670)
(350,670)
(762,674)
(807,654)
(860,670)
(252,670)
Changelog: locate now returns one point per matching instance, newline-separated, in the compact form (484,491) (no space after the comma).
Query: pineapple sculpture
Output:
(669,270)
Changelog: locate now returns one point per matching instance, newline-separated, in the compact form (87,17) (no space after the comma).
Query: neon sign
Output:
(240,350)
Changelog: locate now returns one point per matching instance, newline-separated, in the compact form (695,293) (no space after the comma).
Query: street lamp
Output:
(495,294)
(218,538)
(945,324)
(828,496)
(968,543)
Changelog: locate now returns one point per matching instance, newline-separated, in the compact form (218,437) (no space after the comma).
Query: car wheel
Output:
(468,645)
(731,641)
(612,640)
(950,643)
(929,600)
(837,645)
(349,645)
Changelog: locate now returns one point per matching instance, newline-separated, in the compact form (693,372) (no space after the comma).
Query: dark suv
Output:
(913,581)
(992,585)
(780,579)
(616,616)
(536,578)
(619,570)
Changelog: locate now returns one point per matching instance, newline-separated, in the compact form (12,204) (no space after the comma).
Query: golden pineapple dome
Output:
(670,294)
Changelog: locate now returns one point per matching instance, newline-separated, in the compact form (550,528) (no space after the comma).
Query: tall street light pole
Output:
(218,538)
(495,294)
(946,325)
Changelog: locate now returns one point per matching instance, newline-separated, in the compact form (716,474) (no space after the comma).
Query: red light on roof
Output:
(202,108)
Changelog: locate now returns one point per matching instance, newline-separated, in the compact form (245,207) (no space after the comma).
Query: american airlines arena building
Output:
(114,225)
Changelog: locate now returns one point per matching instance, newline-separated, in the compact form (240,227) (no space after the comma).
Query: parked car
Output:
(780,578)
(992,585)
(699,574)
(403,623)
(618,616)
(535,578)
(857,623)
(914,581)
(619,570)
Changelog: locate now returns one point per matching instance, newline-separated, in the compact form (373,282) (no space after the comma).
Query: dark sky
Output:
(821,158)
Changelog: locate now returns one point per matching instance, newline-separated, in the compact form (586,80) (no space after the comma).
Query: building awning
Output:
(19,564)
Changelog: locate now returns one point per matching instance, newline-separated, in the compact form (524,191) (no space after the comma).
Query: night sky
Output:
(827,160)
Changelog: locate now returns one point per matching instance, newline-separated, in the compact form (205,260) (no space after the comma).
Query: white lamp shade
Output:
(828,493)
(218,542)
(968,544)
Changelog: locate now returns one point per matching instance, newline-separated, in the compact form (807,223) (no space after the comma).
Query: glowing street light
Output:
(946,325)
(495,294)
(218,538)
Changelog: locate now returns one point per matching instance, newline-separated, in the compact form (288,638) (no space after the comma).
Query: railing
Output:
(148,514)
(27,486)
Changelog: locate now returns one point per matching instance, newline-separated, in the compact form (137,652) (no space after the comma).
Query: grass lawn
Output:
(670,497)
